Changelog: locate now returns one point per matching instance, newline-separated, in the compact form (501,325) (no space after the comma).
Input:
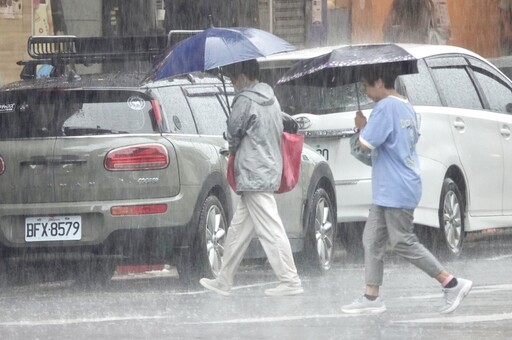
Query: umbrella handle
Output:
(357,96)
(224,87)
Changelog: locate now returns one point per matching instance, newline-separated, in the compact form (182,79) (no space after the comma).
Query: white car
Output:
(465,108)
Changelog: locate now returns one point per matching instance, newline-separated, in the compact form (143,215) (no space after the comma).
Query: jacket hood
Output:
(260,93)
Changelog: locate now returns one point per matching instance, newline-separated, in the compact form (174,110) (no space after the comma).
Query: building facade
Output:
(304,23)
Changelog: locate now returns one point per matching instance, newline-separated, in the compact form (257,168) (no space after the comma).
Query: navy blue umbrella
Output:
(216,47)
(343,65)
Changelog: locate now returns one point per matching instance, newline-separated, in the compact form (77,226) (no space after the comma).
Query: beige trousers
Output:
(256,213)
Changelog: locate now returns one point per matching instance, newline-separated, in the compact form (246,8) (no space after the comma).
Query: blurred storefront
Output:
(305,23)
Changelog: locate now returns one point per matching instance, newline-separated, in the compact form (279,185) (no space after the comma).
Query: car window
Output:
(29,113)
(208,112)
(115,111)
(497,94)
(457,88)
(177,110)
(419,87)
(295,98)
(496,88)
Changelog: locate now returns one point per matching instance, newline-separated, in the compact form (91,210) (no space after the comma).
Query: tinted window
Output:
(177,110)
(456,87)
(70,113)
(419,88)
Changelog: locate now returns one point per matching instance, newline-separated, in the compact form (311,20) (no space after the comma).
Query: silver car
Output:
(99,170)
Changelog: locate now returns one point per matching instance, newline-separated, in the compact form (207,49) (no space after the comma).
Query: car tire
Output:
(320,233)
(451,221)
(205,258)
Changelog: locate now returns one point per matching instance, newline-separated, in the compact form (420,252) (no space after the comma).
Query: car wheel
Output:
(320,233)
(206,257)
(451,220)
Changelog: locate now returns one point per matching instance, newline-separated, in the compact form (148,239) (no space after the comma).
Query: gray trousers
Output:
(257,213)
(393,226)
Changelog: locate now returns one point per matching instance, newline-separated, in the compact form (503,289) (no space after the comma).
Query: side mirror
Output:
(508,108)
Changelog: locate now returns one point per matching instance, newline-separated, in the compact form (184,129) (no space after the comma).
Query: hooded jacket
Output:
(254,131)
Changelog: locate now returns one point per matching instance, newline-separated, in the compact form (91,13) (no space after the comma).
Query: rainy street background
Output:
(154,305)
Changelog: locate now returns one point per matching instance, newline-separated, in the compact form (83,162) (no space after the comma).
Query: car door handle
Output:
(459,124)
(224,151)
(505,131)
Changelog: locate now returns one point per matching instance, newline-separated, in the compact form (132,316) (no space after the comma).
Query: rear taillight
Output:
(137,157)
(2,165)
(144,209)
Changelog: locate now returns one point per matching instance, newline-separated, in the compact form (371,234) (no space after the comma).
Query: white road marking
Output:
(461,319)
(458,319)
(475,290)
(160,317)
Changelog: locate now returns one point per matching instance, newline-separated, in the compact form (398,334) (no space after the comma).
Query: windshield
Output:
(317,100)
(29,113)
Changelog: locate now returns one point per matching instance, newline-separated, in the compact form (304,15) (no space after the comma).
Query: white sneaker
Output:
(363,305)
(454,296)
(215,286)
(284,290)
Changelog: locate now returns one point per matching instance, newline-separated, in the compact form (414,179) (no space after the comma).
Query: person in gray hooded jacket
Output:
(254,131)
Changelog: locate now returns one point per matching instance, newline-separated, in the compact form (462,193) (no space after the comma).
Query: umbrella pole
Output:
(357,96)
(225,92)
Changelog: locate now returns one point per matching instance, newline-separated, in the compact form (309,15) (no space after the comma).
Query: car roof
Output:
(419,51)
(108,81)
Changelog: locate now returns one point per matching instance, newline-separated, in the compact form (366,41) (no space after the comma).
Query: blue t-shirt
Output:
(392,133)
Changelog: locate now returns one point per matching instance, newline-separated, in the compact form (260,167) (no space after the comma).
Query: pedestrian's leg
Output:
(375,237)
(240,234)
(269,228)
(406,244)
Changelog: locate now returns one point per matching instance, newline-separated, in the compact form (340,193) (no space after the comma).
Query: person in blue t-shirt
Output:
(391,133)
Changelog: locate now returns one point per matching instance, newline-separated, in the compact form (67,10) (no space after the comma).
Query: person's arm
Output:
(237,123)
(360,122)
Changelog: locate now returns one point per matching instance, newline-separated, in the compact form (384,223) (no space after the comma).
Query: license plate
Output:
(53,228)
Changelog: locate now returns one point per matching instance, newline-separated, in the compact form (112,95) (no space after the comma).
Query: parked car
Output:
(98,170)
(465,108)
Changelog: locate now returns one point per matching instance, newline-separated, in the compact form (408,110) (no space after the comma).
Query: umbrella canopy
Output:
(343,65)
(217,47)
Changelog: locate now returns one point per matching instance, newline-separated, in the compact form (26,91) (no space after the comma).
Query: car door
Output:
(476,133)
(497,91)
